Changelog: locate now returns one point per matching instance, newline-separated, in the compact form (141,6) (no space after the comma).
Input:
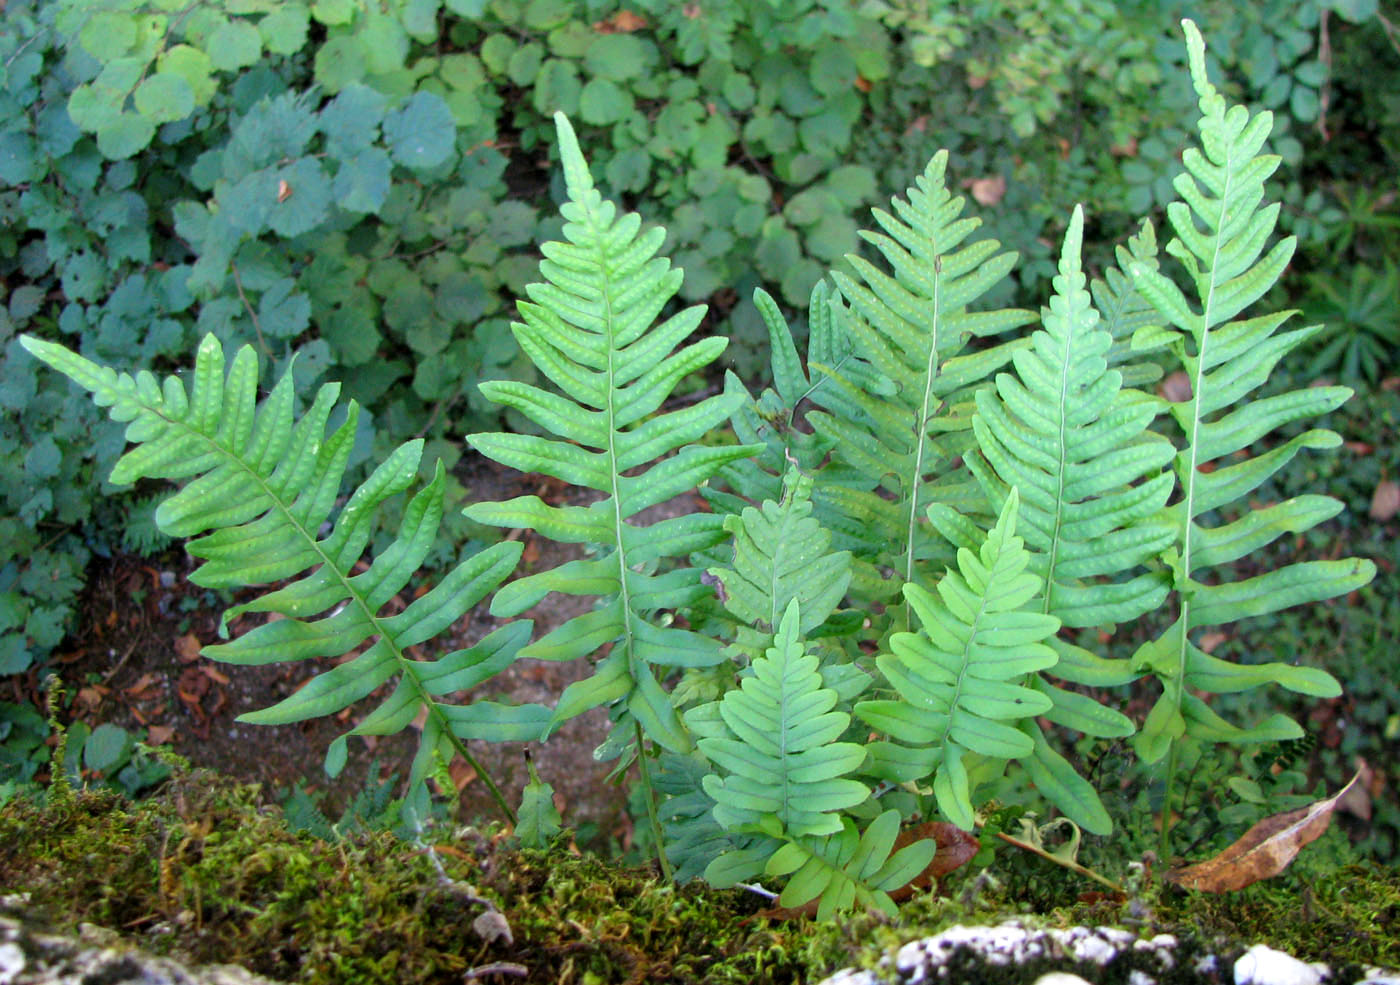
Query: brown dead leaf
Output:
(1385,501)
(217,676)
(1129,149)
(1264,850)
(1356,800)
(1176,388)
(1210,641)
(956,848)
(863,84)
(987,191)
(187,648)
(284,191)
(622,22)
(159,735)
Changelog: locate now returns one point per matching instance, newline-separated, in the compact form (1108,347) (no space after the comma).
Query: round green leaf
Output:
(109,746)
(340,62)
(603,101)
(194,67)
(351,120)
(108,34)
(18,162)
(124,136)
(385,43)
(303,198)
(235,45)
(362,183)
(557,88)
(284,30)
(421,133)
(282,313)
(164,98)
(616,57)
(333,12)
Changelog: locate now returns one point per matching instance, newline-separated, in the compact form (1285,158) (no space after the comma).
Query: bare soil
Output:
(134,661)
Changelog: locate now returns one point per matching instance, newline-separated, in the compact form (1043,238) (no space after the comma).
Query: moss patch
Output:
(207,872)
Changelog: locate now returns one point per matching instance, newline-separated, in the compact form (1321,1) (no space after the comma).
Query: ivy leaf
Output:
(164,98)
(234,45)
(421,133)
(282,313)
(362,183)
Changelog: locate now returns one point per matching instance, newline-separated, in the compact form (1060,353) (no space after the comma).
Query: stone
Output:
(29,956)
(1262,965)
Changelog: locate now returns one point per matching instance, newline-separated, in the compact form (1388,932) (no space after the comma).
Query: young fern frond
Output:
(775,738)
(784,782)
(956,676)
(1221,232)
(258,486)
(910,327)
(781,554)
(590,330)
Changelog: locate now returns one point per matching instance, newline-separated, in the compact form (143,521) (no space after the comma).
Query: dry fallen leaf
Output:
(1176,388)
(187,647)
(988,191)
(956,848)
(622,22)
(1264,850)
(1385,501)
(159,735)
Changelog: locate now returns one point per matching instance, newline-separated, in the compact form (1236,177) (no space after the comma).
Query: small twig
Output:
(497,968)
(1072,866)
(1324,56)
(257,325)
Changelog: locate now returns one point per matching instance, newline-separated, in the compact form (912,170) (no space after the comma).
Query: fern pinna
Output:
(1221,230)
(262,484)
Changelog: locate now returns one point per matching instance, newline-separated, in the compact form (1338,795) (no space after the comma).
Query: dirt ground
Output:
(133,661)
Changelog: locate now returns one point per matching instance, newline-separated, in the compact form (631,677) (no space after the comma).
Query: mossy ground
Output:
(208,872)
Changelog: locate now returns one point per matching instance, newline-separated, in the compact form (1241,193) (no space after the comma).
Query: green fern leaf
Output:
(955,676)
(781,554)
(590,330)
(775,739)
(1222,228)
(911,327)
(260,488)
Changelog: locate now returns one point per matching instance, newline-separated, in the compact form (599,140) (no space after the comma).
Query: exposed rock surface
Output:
(32,957)
(1082,956)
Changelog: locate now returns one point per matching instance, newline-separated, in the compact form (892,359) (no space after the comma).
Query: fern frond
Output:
(590,330)
(911,327)
(775,738)
(955,676)
(781,554)
(1222,228)
(260,486)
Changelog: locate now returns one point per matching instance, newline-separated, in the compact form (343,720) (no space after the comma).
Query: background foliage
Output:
(361,184)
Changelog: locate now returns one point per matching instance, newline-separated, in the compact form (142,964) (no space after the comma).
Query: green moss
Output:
(206,871)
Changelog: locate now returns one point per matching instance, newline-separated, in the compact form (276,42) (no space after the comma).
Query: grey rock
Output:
(29,956)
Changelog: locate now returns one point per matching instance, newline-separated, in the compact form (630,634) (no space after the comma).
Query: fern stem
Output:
(1165,835)
(471,761)
(652,816)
